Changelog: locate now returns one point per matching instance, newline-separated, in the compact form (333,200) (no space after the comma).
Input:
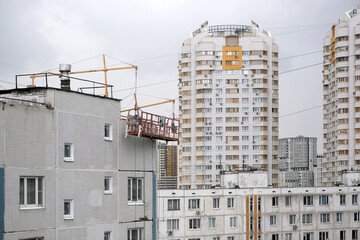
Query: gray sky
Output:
(38,35)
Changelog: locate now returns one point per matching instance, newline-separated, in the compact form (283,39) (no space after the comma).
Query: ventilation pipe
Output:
(64,70)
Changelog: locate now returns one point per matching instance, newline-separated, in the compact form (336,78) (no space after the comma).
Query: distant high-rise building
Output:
(341,89)
(228,103)
(297,162)
(167,159)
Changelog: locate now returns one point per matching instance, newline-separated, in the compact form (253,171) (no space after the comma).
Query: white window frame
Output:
(139,233)
(71,158)
(39,193)
(325,217)
(107,235)
(194,204)
(216,203)
(308,201)
(324,235)
(172,224)
(69,216)
(323,200)
(307,218)
(272,220)
(108,191)
(172,206)
(212,222)
(230,202)
(194,223)
(356,216)
(354,199)
(275,201)
(342,199)
(288,236)
(139,182)
(292,219)
(110,132)
(233,222)
(288,200)
(339,217)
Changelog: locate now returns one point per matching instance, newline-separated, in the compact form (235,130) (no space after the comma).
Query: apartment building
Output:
(258,212)
(298,162)
(341,89)
(68,171)
(228,91)
(167,169)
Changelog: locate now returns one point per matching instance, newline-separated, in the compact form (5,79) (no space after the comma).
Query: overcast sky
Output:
(38,35)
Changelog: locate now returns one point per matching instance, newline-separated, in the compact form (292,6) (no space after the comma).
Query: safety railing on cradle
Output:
(144,124)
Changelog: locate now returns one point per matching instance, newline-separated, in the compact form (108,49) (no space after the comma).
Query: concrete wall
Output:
(32,138)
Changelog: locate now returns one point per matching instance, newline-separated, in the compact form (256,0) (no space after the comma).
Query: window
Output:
(324,200)
(323,235)
(135,189)
(68,152)
(135,234)
(194,203)
(259,204)
(230,202)
(354,199)
(308,200)
(339,217)
(31,192)
(108,181)
(357,217)
(325,218)
(272,220)
(342,199)
(230,238)
(275,201)
(173,204)
(36,238)
(288,236)
(259,223)
(108,132)
(355,234)
(173,224)
(307,218)
(233,221)
(107,235)
(288,201)
(69,209)
(212,222)
(308,236)
(216,203)
(342,235)
(292,219)
(194,223)
(275,236)
(216,238)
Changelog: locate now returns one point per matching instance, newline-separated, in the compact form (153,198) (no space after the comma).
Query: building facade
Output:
(167,169)
(260,213)
(298,162)
(341,89)
(228,103)
(68,172)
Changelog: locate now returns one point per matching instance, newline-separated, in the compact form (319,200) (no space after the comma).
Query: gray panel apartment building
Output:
(68,172)
(298,162)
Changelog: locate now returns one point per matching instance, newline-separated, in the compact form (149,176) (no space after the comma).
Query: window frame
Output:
(308,200)
(139,182)
(194,223)
(194,204)
(71,157)
(230,202)
(212,223)
(107,235)
(216,203)
(324,200)
(273,220)
(39,194)
(110,131)
(172,224)
(233,222)
(275,201)
(139,232)
(175,200)
(288,201)
(110,184)
(69,216)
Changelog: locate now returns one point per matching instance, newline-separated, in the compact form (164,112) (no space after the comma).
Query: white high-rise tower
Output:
(341,89)
(228,103)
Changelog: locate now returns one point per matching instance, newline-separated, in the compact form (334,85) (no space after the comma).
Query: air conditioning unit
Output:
(246,113)
(206,75)
(210,104)
(170,233)
(217,85)
(247,85)
(295,227)
(221,104)
(242,122)
(253,103)
(217,94)
(257,94)
(211,66)
(210,180)
(226,141)
(253,141)
(198,212)
(245,75)
(205,84)
(252,84)
(257,113)
(260,55)
(236,56)
(252,75)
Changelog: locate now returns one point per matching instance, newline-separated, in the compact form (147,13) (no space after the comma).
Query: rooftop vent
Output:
(64,70)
